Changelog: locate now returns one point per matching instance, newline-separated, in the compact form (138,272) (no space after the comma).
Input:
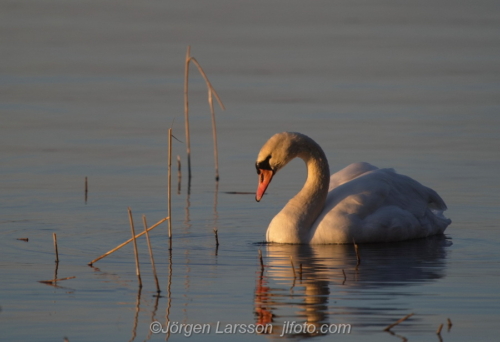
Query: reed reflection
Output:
(136,316)
(330,288)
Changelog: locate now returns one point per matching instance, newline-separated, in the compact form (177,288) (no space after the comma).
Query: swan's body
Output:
(360,203)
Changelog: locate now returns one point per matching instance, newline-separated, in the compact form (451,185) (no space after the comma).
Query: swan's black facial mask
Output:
(263,165)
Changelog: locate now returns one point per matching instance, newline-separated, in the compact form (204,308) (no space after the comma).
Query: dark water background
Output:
(89,89)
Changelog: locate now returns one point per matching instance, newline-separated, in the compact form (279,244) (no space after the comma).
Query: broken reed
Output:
(127,242)
(151,257)
(389,327)
(211,93)
(137,268)
(216,237)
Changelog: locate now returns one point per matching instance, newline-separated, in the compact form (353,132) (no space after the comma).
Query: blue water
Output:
(89,89)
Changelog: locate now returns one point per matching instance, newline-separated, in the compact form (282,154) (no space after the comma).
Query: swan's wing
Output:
(365,188)
(380,205)
(410,210)
(349,173)
(410,195)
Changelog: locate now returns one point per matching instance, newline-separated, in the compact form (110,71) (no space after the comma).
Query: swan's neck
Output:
(295,220)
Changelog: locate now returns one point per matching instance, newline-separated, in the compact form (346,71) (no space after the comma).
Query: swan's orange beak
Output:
(265,177)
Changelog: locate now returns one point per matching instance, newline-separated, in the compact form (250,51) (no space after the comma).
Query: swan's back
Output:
(368,204)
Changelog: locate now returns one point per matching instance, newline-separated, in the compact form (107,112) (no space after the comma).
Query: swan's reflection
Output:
(331,289)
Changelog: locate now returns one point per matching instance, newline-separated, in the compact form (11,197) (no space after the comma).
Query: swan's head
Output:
(276,153)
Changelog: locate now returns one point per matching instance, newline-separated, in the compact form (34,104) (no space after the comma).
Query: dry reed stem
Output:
(186,108)
(55,246)
(55,280)
(209,85)
(211,91)
(170,185)
(55,270)
(439,329)
(389,327)
(214,134)
(151,253)
(23,239)
(127,242)
(216,237)
(179,175)
(136,254)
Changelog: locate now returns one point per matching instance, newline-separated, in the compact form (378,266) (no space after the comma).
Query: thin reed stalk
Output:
(214,134)
(389,327)
(170,186)
(151,253)
(56,269)
(439,329)
(127,242)
(54,236)
(209,85)
(216,237)
(179,175)
(211,93)
(137,267)
(186,108)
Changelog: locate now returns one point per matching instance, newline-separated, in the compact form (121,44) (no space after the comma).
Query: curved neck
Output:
(300,213)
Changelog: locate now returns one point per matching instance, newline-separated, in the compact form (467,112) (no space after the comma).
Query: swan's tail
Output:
(437,207)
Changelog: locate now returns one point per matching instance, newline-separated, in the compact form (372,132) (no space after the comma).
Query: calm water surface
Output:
(89,89)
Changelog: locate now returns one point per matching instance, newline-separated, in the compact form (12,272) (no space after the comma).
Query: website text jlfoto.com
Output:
(288,328)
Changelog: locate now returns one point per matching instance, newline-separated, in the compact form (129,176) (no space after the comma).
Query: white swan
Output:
(360,203)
